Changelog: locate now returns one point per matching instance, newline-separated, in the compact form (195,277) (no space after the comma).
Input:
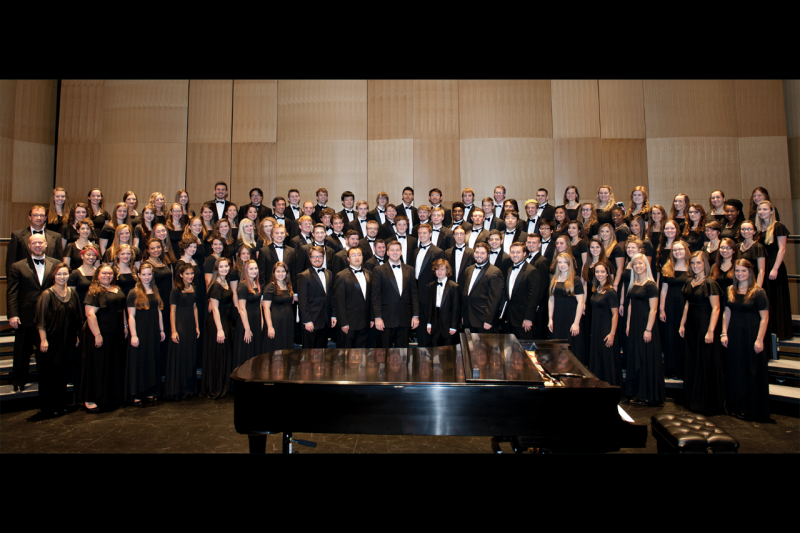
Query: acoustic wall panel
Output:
(436,164)
(206,164)
(765,162)
(33,170)
(791,99)
(254,165)
(390,168)
(147,167)
(145,111)
(576,108)
(255,111)
(390,105)
(316,110)
(81,112)
(8,99)
(576,162)
(621,109)
(436,109)
(78,170)
(210,111)
(759,108)
(624,167)
(8,102)
(693,108)
(504,109)
(35,111)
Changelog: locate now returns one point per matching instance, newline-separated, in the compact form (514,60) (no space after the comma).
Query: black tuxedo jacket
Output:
(525,295)
(448,216)
(24,288)
(334,243)
(304,259)
(373,215)
(356,226)
(426,274)
(483,236)
(413,220)
(502,262)
(315,302)
(346,218)
(449,315)
(412,245)
(483,303)
(519,235)
(290,214)
(213,204)
(494,224)
(542,265)
(317,210)
(263,211)
(269,256)
(550,252)
(445,239)
(339,262)
(18,246)
(292,229)
(468,213)
(467,260)
(386,230)
(464,224)
(351,308)
(549,212)
(298,241)
(388,303)
(372,263)
(366,249)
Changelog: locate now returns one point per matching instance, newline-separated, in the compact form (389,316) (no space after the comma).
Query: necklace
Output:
(696,282)
(62,296)
(742,248)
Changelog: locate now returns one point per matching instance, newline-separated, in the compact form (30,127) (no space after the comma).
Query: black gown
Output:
(282,316)
(70,234)
(746,380)
(712,255)
(143,376)
(126,282)
(162,278)
(752,254)
(180,379)
(604,361)
(564,308)
(673,344)
(175,237)
(580,248)
(74,254)
(644,376)
(703,383)
(622,323)
(81,284)
(218,357)
(243,351)
(58,224)
(61,320)
(780,310)
(695,240)
(103,372)
(732,232)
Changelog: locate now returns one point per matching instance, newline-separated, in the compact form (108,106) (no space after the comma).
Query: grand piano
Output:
(540,398)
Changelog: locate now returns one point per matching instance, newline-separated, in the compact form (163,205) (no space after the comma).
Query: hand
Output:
(487,326)
(345,329)
(98,341)
(371,323)
(682,332)
(295,299)
(333,322)
(271,333)
(379,324)
(43,346)
(609,340)
(621,309)
(126,332)
(648,336)
(724,341)
(198,332)
(220,337)
(615,288)
(134,341)
(773,274)
(574,329)
(709,337)
(77,341)
(550,325)
(14,322)
(452,331)
(429,328)
(758,346)
(663,316)
(248,336)
(162,336)
(309,327)
(414,322)
(175,338)
(628,330)
(527,325)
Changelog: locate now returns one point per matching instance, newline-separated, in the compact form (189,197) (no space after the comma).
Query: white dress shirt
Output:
(475,273)
(511,280)
(404,244)
(220,208)
(322,278)
(435,232)
(362,280)
(39,269)
(350,214)
(381,215)
(363,226)
(279,252)
(544,246)
(532,225)
(398,276)
(473,236)
(296,210)
(508,238)
(423,251)
(459,255)
(494,254)
(498,209)
(324,254)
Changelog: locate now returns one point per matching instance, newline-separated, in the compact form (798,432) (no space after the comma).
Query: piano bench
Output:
(690,433)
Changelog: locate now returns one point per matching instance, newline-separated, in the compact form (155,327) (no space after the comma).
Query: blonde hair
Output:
(669,267)
(52,216)
(611,200)
(609,249)
(187,232)
(115,244)
(635,276)
(569,283)
(768,226)
(243,236)
(131,262)
(152,201)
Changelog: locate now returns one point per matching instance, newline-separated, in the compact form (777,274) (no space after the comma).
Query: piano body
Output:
(487,385)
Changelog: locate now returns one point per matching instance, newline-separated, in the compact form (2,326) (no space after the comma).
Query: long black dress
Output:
(644,376)
(218,357)
(180,378)
(202,301)
(780,310)
(70,234)
(143,377)
(703,383)
(578,249)
(74,254)
(103,373)
(126,282)
(58,224)
(81,284)
(60,318)
(752,254)
(695,240)
(564,308)
(746,381)
(673,344)
(162,278)
(282,320)
(622,323)
(243,351)
(604,361)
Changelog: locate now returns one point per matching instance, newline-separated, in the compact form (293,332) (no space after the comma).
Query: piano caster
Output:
(288,440)
(514,444)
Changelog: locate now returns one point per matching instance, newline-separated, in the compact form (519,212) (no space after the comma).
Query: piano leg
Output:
(287,442)
(258,443)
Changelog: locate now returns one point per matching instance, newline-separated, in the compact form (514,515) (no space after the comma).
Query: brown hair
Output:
(141,301)
(445,263)
(701,224)
(52,216)
(752,288)
(716,270)
(287,281)
(600,258)
(95,288)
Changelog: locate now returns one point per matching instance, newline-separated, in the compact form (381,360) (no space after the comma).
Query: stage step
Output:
(783,393)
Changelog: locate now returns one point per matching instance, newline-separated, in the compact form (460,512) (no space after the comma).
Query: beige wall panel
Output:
(206,164)
(317,110)
(576,162)
(436,164)
(78,169)
(145,111)
(759,108)
(791,99)
(794,165)
(621,109)
(693,108)
(390,168)
(35,111)
(81,112)
(143,167)
(765,162)
(6,177)
(336,165)
(33,172)
(210,111)
(255,111)
(504,108)
(436,109)
(390,106)
(8,102)
(693,166)
(522,165)
(253,165)
(576,108)
(624,167)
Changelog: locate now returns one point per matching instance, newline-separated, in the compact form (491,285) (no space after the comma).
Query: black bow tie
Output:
(408,207)
(435,230)
(381,210)
(517,266)
(279,218)
(358,271)
(348,211)
(468,206)
(370,240)
(440,284)
(322,206)
(379,260)
(392,223)
(460,249)
(495,252)
(320,244)
(401,236)
(510,232)
(424,247)
(307,239)
(338,235)
(320,270)
(396,266)
(38,232)
(531,220)
(458,223)
(39,261)
(546,242)
(477,230)
(279,246)
(478,267)
(296,208)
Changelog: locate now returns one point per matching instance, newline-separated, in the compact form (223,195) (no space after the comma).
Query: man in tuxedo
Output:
(521,295)
(304,237)
(407,242)
(282,217)
(315,299)
(490,221)
(322,203)
(532,210)
(367,244)
(18,246)
(336,240)
(274,252)
(542,266)
(256,196)
(379,257)
(348,211)
(310,211)
(459,219)
(304,254)
(379,213)
(424,215)
(219,205)
(444,307)
(544,210)
(395,304)
(407,207)
(359,223)
(497,256)
(483,292)
(27,279)
(478,232)
(459,256)
(548,244)
(423,258)
(499,198)
(342,258)
(441,235)
(325,217)
(512,233)
(295,209)
(353,299)
(387,229)
(468,201)
(435,199)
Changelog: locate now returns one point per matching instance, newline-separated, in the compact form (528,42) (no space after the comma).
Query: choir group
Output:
(114,301)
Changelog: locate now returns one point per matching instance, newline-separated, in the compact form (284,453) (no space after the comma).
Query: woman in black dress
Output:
(69,231)
(703,383)
(143,232)
(655,227)
(733,219)
(195,229)
(579,246)
(615,253)
(278,314)
(248,332)
(621,230)
(207,216)
(180,379)
(126,270)
(222,230)
(572,199)
(722,271)
(673,277)
(753,251)
(58,213)
(170,255)
(760,194)
(104,342)
(108,231)
(596,255)
(217,347)
(640,207)
(132,202)
(565,306)
(678,213)
(122,235)
(232,216)
(670,235)
(162,274)
(716,207)
(711,247)
(58,313)
(72,253)
(81,277)
(182,198)
(189,247)
(774,235)
(743,331)
(638,228)
(97,214)
(560,221)
(632,247)
(644,375)
(603,204)
(159,203)
(146,324)
(587,218)
(176,224)
(694,233)
(604,359)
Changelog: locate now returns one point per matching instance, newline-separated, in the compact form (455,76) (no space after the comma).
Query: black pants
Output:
(423,337)
(315,339)
(540,330)
(394,337)
(440,336)
(373,337)
(355,338)
(477,328)
(26,341)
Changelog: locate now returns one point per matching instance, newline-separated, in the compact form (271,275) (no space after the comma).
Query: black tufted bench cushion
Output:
(690,433)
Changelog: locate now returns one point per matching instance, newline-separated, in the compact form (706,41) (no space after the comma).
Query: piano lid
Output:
(491,358)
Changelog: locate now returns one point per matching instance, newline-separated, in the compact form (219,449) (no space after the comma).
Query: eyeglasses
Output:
(725,248)
(747,229)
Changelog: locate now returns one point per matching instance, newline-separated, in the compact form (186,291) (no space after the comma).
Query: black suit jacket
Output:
(24,289)
(304,260)
(372,263)
(493,224)
(339,262)
(449,314)
(483,303)
(290,212)
(483,236)
(466,225)
(317,210)
(468,213)
(519,235)
(502,262)
(373,215)
(388,303)
(525,295)
(18,246)
(298,241)
(448,216)
(542,266)
(426,274)
(315,302)
(467,260)
(413,220)
(292,229)
(445,239)
(213,204)
(366,249)
(269,256)
(412,245)
(386,230)
(550,252)
(549,212)
(263,211)
(356,225)
(351,308)
(334,243)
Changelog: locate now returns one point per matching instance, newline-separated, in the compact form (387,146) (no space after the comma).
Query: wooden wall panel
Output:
(81,112)
(78,170)
(576,162)
(436,109)
(576,108)
(694,108)
(436,164)
(335,165)
(8,99)
(210,111)
(312,110)
(8,102)
(624,167)
(206,164)
(254,165)
(791,99)
(390,105)
(145,111)
(35,111)
(690,165)
(33,170)
(504,109)
(255,111)
(760,108)
(390,168)
(621,109)
(521,165)
(147,167)
(765,162)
